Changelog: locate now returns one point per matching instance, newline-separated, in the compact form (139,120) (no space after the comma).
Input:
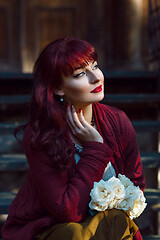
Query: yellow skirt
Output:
(108,225)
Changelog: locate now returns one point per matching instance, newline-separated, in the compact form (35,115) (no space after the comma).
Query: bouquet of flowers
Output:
(119,193)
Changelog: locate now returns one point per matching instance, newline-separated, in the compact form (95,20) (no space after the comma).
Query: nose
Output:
(94,77)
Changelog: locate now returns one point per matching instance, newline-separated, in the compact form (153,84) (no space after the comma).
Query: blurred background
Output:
(118,30)
(126,35)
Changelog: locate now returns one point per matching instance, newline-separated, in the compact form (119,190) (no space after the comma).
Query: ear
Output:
(59,92)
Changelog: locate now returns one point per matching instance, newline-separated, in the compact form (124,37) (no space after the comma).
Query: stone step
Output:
(108,74)
(18,162)
(121,74)
(14,99)
(147,237)
(152,196)
(6,199)
(146,126)
(151,126)
(150,159)
(131,98)
(9,144)
(13,162)
(108,98)
(151,237)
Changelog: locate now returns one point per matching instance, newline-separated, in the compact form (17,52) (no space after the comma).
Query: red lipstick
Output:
(97,89)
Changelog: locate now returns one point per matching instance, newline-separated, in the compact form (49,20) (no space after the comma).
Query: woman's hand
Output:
(80,128)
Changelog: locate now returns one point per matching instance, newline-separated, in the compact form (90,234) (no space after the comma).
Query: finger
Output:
(70,122)
(76,118)
(74,124)
(69,118)
(71,127)
(82,120)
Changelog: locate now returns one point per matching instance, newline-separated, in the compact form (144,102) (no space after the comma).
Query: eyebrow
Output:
(79,67)
(82,66)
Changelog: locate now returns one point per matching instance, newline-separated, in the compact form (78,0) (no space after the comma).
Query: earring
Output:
(61,99)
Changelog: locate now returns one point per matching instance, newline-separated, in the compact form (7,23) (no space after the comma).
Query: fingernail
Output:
(80,110)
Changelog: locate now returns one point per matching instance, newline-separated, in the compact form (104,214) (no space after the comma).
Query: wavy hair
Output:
(47,114)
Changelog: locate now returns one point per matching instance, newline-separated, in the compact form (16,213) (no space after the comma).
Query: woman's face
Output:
(84,86)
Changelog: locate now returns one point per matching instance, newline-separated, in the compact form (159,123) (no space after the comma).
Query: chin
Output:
(98,98)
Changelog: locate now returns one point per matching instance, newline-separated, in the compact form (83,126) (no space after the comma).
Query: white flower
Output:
(124,205)
(119,193)
(117,187)
(95,206)
(139,205)
(129,200)
(101,196)
(125,181)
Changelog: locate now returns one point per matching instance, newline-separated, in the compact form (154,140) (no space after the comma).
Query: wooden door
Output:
(45,21)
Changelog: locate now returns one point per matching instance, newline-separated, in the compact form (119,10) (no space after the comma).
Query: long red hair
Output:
(47,114)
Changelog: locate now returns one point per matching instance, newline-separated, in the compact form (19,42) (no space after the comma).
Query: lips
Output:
(97,89)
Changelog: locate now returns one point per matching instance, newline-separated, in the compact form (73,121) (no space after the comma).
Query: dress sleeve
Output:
(133,168)
(66,196)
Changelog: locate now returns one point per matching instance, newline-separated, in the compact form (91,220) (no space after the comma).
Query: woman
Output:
(68,142)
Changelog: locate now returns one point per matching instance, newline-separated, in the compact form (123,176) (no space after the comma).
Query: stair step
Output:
(15,76)
(108,98)
(13,162)
(131,74)
(153,198)
(151,126)
(18,162)
(107,73)
(14,99)
(152,195)
(8,128)
(142,126)
(150,159)
(131,98)
(151,237)
(6,199)
(147,237)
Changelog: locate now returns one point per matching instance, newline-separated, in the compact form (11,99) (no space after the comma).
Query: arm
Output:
(66,198)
